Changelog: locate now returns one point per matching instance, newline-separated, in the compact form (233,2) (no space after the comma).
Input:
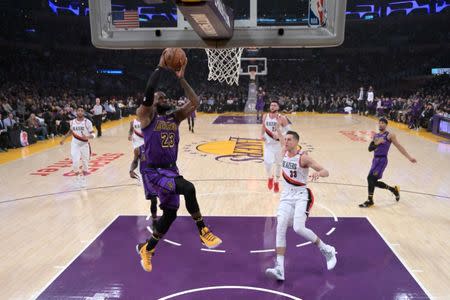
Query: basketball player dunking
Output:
(149,189)
(380,145)
(161,135)
(82,131)
(272,148)
(296,201)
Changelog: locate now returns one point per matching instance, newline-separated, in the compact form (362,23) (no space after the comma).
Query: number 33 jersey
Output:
(295,177)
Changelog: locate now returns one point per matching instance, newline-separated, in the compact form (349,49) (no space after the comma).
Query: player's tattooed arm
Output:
(372,146)
(146,110)
(130,131)
(188,108)
(263,126)
(134,164)
(280,137)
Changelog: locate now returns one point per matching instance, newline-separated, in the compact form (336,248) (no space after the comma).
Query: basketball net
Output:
(224,64)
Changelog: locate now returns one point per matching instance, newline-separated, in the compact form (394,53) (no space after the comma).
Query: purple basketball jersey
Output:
(382,149)
(161,138)
(149,188)
(260,101)
(380,160)
(142,159)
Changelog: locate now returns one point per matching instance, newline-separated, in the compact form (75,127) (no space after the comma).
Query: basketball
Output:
(174,58)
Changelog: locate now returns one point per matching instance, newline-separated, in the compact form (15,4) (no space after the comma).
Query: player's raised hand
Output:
(162,60)
(314,176)
(133,175)
(413,160)
(180,73)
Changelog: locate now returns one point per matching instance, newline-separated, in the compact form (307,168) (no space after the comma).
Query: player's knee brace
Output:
(167,218)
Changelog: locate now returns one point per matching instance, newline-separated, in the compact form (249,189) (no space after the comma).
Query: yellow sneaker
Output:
(397,192)
(209,239)
(146,256)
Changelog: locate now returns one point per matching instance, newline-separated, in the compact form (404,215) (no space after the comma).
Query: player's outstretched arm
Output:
(307,161)
(134,164)
(263,127)
(130,131)
(280,135)
(400,148)
(188,108)
(146,110)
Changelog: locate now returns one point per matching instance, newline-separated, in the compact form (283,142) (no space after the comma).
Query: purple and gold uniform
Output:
(380,160)
(149,189)
(161,138)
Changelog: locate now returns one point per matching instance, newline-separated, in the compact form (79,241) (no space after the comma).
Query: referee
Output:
(97,110)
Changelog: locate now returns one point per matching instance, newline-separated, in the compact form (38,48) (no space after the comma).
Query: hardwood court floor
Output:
(45,221)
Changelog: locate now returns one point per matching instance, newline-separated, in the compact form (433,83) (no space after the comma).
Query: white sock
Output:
(322,245)
(280,260)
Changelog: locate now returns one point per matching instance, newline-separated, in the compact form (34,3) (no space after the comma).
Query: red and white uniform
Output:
(295,198)
(137,138)
(272,146)
(80,147)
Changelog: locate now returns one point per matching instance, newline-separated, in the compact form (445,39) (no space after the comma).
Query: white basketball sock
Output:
(322,245)
(280,260)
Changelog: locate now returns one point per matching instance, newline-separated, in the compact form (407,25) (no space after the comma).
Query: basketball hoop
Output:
(224,64)
(252,75)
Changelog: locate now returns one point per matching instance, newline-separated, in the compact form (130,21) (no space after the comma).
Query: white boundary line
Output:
(307,243)
(401,260)
(331,231)
(303,244)
(329,210)
(212,250)
(73,259)
(165,240)
(262,251)
(234,287)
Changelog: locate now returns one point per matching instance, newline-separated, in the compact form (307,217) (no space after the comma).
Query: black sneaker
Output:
(368,203)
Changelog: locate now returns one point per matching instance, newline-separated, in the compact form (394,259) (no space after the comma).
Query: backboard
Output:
(135,24)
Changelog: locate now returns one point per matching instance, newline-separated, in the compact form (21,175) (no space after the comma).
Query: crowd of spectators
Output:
(47,73)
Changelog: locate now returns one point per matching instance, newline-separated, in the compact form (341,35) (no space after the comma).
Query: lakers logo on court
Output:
(235,150)
(238,150)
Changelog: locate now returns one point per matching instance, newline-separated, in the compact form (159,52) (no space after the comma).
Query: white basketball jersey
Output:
(293,174)
(81,129)
(270,129)
(138,137)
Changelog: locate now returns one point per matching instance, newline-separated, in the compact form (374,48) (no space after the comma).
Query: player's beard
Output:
(161,109)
